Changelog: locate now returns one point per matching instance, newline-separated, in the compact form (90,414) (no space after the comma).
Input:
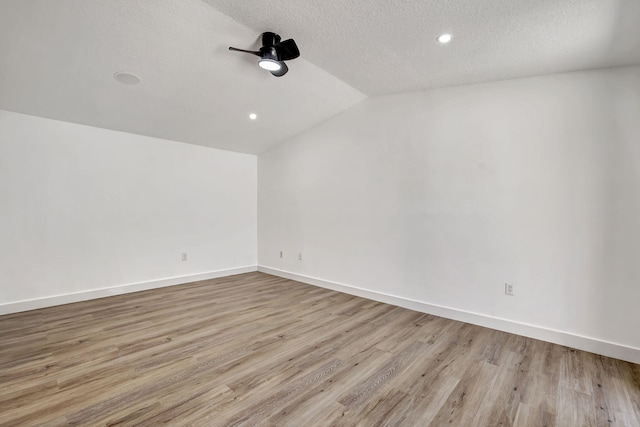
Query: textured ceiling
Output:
(383,46)
(57,60)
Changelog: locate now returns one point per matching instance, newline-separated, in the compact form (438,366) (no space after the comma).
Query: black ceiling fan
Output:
(273,53)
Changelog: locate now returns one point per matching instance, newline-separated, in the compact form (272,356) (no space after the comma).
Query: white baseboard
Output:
(14,307)
(593,345)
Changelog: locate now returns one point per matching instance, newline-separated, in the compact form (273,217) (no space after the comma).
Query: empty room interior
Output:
(336,213)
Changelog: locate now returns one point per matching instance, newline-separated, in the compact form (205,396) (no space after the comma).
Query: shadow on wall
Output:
(615,277)
(618,273)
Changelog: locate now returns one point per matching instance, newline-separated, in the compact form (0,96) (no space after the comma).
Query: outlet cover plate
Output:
(508,289)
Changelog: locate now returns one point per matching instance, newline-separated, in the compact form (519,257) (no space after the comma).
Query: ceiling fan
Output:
(273,53)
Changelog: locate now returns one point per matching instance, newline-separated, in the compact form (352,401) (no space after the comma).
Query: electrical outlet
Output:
(281,254)
(300,256)
(185,256)
(508,289)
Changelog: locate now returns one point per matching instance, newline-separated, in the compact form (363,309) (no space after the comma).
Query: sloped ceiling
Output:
(57,58)
(382,47)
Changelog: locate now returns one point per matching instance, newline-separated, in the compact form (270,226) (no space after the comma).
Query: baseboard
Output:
(593,345)
(14,307)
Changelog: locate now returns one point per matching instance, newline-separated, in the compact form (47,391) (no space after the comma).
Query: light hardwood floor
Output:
(255,349)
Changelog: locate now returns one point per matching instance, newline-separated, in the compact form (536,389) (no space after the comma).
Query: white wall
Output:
(84,208)
(443,196)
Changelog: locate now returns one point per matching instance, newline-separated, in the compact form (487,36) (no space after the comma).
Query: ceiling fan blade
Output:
(246,51)
(282,71)
(287,50)
(270,39)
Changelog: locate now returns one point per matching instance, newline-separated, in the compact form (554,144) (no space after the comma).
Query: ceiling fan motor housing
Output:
(269,53)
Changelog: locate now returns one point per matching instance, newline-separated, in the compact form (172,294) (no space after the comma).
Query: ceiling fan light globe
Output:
(269,64)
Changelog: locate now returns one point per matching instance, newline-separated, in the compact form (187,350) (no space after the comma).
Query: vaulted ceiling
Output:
(58,58)
(383,46)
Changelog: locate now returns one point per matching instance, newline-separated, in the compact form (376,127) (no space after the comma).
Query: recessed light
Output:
(444,38)
(126,78)
(253,116)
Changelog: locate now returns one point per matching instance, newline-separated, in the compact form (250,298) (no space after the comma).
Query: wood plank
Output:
(255,349)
